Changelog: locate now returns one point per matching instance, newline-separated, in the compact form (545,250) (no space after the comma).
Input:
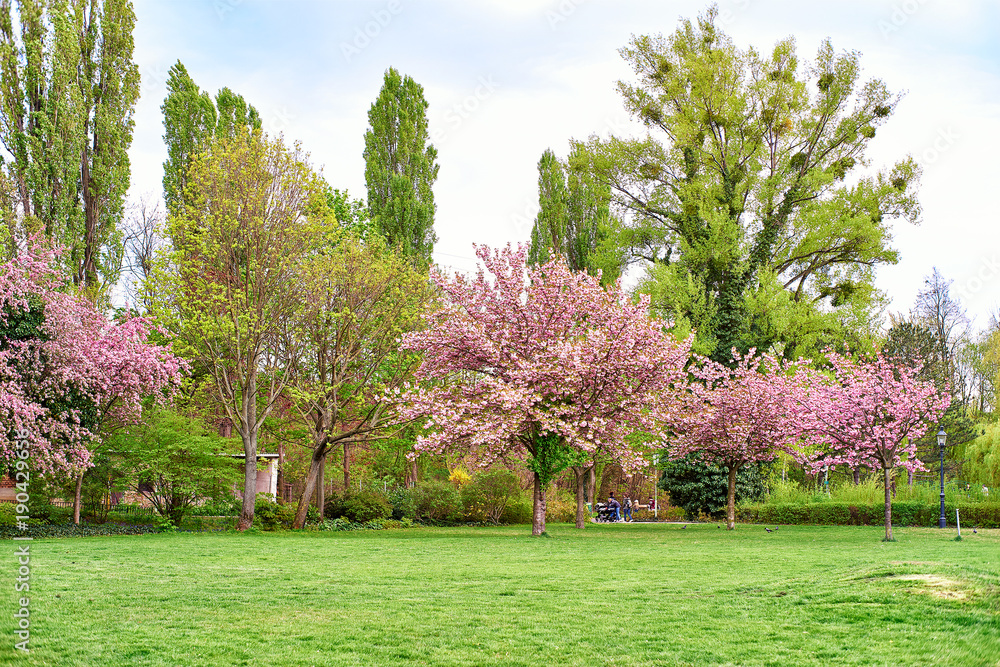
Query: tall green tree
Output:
(401,167)
(68,88)
(744,197)
(574,217)
(230,284)
(190,120)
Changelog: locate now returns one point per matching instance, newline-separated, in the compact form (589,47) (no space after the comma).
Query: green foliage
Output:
(551,456)
(227,505)
(401,167)
(360,507)
(839,513)
(574,218)
(352,214)
(8,517)
(489,495)
(269,515)
(73,530)
(175,461)
(982,458)
(403,505)
(702,489)
(437,501)
(770,242)
(190,121)
(67,102)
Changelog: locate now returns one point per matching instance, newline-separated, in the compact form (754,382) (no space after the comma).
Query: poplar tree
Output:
(574,217)
(190,120)
(401,167)
(68,88)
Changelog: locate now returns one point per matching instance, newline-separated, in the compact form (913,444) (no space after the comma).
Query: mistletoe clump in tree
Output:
(544,364)
(870,413)
(737,417)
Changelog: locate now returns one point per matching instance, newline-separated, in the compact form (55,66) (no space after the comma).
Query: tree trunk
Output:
(249,480)
(888,504)
(731,501)
(538,508)
(281,474)
(909,478)
(592,483)
(347,469)
(582,474)
(315,465)
(857,476)
(77,499)
(320,490)
(414,472)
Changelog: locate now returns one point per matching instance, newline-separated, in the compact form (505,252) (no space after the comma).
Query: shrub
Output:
(560,506)
(364,506)
(403,506)
(437,501)
(517,512)
(904,513)
(701,488)
(489,494)
(269,515)
(7,515)
(221,507)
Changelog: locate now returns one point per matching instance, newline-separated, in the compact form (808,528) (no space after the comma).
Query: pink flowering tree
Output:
(736,417)
(67,371)
(869,413)
(541,364)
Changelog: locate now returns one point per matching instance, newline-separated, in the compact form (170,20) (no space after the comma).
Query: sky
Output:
(506,79)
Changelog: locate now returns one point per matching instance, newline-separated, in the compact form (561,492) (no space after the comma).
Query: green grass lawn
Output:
(610,595)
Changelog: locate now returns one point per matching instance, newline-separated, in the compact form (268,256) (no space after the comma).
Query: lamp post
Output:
(941,438)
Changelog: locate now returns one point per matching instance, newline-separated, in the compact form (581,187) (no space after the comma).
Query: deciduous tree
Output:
(401,167)
(190,120)
(230,284)
(68,374)
(743,197)
(869,413)
(574,218)
(544,364)
(358,298)
(737,417)
(68,88)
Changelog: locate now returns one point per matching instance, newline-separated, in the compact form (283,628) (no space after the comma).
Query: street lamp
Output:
(941,437)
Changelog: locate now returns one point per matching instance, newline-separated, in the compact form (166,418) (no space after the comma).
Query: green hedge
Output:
(986,515)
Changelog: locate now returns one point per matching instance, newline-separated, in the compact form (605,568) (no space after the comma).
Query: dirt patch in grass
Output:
(936,586)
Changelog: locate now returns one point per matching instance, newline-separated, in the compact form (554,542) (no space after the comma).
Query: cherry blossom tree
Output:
(67,371)
(737,416)
(869,413)
(541,364)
